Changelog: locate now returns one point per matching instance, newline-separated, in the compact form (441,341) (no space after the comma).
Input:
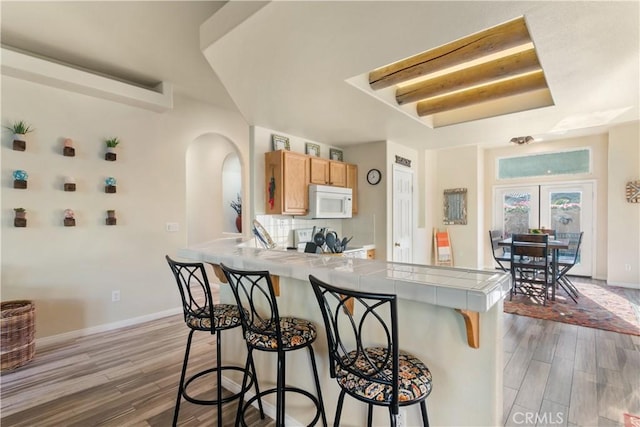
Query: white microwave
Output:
(326,201)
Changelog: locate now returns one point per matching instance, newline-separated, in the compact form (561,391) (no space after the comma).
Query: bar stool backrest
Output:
(194,288)
(256,299)
(377,316)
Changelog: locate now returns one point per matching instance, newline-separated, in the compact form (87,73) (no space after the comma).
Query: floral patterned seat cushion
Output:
(225,316)
(414,378)
(296,332)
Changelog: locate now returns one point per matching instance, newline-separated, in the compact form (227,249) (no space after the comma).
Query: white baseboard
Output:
(56,339)
(624,284)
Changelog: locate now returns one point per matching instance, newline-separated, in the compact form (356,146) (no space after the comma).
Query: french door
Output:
(567,208)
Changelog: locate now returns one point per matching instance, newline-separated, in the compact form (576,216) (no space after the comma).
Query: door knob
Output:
(396,244)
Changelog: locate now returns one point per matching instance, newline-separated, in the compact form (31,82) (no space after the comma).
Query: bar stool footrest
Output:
(215,401)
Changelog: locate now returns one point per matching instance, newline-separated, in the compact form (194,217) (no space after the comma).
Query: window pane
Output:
(568,162)
(516,213)
(566,219)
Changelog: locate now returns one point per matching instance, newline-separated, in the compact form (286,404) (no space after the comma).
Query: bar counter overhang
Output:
(451,318)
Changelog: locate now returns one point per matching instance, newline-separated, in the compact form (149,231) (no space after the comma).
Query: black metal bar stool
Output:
(265,330)
(379,374)
(201,314)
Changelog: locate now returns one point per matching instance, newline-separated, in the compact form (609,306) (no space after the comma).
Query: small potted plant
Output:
(21,217)
(68,149)
(69,183)
(111,143)
(110,185)
(69,218)
(19,130)
(236,205)
(20,179)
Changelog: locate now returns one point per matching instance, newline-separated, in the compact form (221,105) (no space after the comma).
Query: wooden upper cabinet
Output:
(319,171)
(338,174)
(327,172)
(352,183)
(286,183)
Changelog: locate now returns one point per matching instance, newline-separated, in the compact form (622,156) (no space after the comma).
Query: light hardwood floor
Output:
(565,375)
(127,377)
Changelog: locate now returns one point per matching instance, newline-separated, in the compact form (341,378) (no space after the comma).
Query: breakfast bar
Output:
(451,318)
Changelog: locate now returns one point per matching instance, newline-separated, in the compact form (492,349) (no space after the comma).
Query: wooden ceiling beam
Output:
(509,66)
(483,43)
(464,98)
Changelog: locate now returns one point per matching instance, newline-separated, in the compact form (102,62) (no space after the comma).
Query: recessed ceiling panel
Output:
(493,72)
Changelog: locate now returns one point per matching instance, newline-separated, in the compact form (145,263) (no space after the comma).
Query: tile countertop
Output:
(476,290)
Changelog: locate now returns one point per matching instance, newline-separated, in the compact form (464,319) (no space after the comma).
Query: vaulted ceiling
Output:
(302,67)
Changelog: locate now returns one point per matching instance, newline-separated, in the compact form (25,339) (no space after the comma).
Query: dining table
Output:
(554,246)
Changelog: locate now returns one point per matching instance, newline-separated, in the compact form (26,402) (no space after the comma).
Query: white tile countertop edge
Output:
(476,290)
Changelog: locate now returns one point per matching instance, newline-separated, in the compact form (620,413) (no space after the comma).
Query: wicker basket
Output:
(17,332)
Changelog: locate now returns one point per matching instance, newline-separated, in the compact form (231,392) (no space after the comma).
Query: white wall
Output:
(370,223)
(70,271)
(623,221)
(459,168)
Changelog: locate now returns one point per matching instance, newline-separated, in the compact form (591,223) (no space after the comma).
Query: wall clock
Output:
(374,176)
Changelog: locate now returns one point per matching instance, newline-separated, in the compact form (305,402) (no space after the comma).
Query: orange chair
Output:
(442,247)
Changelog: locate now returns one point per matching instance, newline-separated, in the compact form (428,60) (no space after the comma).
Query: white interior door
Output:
(568,209)
(402,215)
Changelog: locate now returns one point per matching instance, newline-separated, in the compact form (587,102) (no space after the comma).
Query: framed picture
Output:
(312,149)
(335,154)
(280,143)
(455,206)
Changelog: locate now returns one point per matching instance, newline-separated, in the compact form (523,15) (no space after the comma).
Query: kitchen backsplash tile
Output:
(281,227)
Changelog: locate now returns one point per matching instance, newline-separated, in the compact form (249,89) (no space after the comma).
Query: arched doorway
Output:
(213,181)
(231,191)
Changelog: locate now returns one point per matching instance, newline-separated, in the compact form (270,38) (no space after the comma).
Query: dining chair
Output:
(377,374)
(566,261)
(499,253)
(201,314)
(530,265)
(265,330)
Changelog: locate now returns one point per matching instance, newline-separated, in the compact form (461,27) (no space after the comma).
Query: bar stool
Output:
(201,314)
(265,330)
(380,374)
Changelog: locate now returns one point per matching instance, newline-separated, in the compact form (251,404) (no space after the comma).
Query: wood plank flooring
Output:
(554,374)
(566,375)
(127,377)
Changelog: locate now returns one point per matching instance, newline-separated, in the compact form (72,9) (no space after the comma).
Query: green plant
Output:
(19,209)
(112,142)
(20,127)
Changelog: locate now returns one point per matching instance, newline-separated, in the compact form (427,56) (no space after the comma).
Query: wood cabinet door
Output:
(319,170)
(296,180)
(352,183)
(338,174)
